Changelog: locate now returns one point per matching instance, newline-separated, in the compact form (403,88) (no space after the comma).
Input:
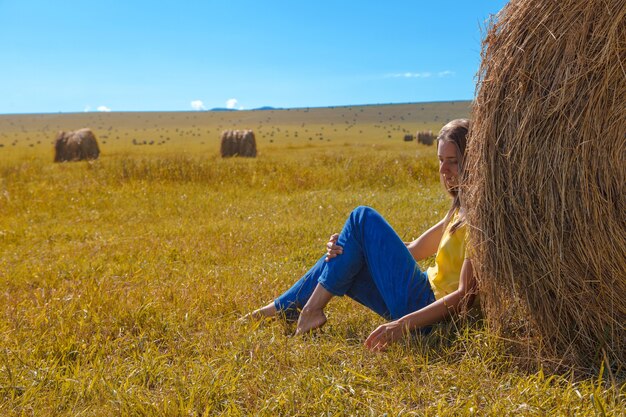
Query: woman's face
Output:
(448,164)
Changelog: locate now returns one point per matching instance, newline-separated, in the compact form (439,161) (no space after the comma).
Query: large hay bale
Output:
(76,145)
(546,191)
(238,143)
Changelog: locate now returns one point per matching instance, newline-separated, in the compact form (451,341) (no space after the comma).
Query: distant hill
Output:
(268,108)
(258,108)
(222,109)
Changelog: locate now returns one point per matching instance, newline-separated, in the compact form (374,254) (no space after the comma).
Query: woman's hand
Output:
(332,249)
(452,303)
(384,335)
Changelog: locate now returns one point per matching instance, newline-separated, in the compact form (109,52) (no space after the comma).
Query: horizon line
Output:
(222,109)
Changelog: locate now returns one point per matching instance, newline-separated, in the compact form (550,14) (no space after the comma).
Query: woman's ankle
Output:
(309,310)
(261,313)
(267,311)
(310,319)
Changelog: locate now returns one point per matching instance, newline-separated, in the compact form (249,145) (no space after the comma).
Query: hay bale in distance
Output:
(546,188)
(76,145)
(238,143)
(408,138)
(426,137)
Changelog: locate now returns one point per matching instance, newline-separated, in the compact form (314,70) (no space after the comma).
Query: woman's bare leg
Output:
(312,315)
(263,312)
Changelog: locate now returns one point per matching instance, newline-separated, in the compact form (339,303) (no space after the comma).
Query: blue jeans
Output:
(376,269)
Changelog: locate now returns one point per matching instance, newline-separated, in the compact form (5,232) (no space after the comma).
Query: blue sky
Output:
(136,55)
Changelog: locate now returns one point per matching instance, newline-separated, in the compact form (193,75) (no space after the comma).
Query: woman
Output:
(369,262)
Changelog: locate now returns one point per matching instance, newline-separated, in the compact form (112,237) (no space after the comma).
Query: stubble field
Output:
(122,279)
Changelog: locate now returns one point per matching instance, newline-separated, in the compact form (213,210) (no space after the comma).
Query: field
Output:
(122,279)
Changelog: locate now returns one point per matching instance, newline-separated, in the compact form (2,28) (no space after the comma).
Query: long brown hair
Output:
(456,132)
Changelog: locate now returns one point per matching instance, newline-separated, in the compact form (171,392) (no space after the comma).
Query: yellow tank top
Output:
(444,277)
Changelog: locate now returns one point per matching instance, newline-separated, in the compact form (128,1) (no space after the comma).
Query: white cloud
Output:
(87,108)
(425,74)
(103,108)
(232,103)
(411,75)
(197,105)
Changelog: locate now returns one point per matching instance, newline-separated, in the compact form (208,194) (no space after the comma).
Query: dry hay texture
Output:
(425,137)
(238,143)
(76,145)
(546,165)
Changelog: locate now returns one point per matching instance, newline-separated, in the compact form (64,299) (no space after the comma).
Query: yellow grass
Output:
(122,279)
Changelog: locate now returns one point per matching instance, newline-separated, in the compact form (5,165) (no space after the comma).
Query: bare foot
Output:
(310,320)
(261,313)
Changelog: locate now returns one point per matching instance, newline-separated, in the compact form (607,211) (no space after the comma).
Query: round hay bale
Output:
(546,189)
(408,138)
(238,143)
(76,145)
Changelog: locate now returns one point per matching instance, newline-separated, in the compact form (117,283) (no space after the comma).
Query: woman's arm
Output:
(428,243)
(452,303)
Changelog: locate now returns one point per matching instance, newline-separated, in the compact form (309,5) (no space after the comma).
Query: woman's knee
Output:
(363,215)
(362,212)
(365,219)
